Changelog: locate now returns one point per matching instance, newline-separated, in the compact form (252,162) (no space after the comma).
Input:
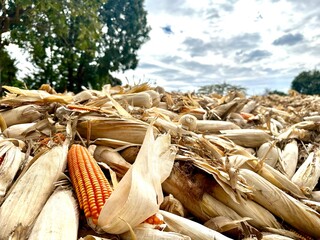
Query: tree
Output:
(221,89)
(79,43)
(8,71)
(307,82)
(268,91)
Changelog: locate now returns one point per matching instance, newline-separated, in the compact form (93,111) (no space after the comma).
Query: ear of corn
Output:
(140,99)
(214,126)
(190,228)
(283,205)
(247,137)
(91,186)
(112,158)
(11,161)
(22,114)
(269,153)
(30,192)
(289,158)
(308,174)
(114,128)
(59,217)
(259,216)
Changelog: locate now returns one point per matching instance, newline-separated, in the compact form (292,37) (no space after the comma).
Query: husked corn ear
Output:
(91,186)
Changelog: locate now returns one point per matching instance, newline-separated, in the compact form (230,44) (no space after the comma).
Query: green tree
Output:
(221,88)
(80,43)
(307,82)
(8,71)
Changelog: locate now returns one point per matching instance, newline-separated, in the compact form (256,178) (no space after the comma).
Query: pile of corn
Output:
(137,162)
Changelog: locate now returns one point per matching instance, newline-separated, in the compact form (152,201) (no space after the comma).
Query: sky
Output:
(256,44)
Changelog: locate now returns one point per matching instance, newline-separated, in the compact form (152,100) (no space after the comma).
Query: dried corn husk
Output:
(258,216)
(59,218)
(273,236)
(142,233)
(127,204)
(112,158)
(173,205)
(283,205)
(214,126)
(22,114)
(308,174)
(289,158)
(269,153)
(190,228)
(197,202)
(30,192)
(21,96)
(247,137)
(113,128)
(12,160)
(140,99)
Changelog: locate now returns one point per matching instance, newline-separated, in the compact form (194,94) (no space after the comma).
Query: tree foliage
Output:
(221,88)
(307,82)
(79,43)
(268,91)
(8,71)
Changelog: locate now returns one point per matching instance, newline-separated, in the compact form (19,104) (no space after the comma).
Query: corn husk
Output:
(112,158)
(126,204)
(214,126)
(269,153)
(273,236)
(190,228)
(199,203)
(22,114)
(283,205)
(258,216)
(113,128)
(30,192)
(59,218)
(289,158)
(247,137)
(19,96)
(142,233)
(173,205)
(10,165)
(307,176)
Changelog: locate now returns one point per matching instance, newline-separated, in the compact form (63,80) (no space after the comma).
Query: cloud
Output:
(255,55)
(198,47)
(288,39)
(143,65)
(176,7)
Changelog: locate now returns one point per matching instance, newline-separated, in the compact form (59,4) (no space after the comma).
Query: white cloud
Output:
(232,41)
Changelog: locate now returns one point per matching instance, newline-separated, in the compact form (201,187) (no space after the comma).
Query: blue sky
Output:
(256,44)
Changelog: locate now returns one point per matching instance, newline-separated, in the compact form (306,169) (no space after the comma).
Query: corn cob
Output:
(269,153)
(22,114)
(306,177)
(289,158)
(30,192)
(283,205)
(247,137)
(10,161)
(59,217)
(91,186)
